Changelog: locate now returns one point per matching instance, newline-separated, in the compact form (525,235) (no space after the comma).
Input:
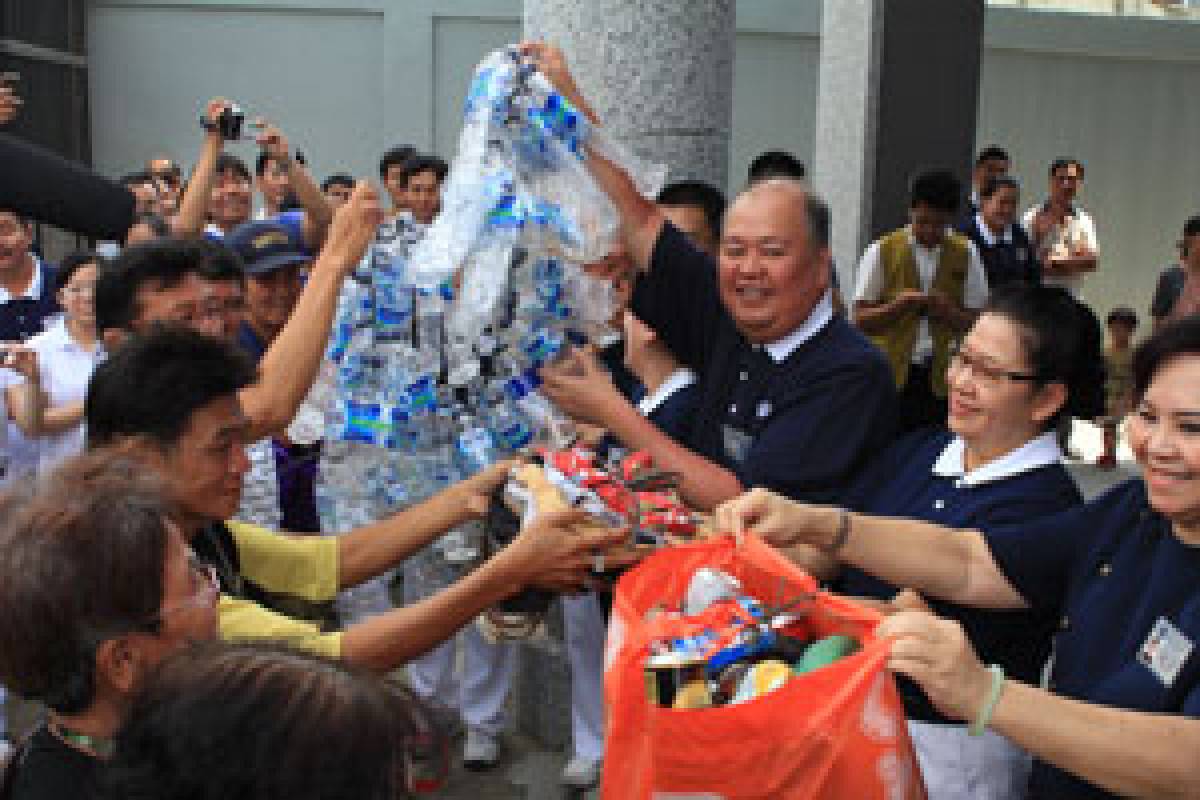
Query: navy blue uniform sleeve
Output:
(811,451)
(678,297)
(675,415)
(1038,556)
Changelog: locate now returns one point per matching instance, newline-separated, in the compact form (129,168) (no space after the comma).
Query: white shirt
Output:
(1038,452)
(66,367)
(869,287)
(1077,229)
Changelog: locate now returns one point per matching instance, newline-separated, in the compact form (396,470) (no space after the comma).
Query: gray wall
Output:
(352,77)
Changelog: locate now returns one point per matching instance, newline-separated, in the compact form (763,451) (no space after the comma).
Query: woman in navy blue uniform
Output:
(1121,573)
(1019,369)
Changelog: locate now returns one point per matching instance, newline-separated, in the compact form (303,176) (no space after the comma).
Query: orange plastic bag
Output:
(835,733)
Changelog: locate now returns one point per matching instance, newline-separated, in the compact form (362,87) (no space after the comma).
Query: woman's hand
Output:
(778,520)
(936,654)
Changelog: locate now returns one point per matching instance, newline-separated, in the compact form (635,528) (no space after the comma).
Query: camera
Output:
(229,123)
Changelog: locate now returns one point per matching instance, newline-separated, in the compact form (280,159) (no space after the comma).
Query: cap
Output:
(266,246)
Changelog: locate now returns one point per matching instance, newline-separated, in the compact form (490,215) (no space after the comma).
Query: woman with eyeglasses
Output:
(1120,715)
(1027,361)
(97,586)
(67,353)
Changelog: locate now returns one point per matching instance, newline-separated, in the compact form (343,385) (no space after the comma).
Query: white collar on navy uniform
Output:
(988,237)
(822,315)
(34,290)
(1037,452)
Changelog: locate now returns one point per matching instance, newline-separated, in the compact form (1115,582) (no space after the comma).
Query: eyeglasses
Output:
(960,359)
(82,290)
(205,588)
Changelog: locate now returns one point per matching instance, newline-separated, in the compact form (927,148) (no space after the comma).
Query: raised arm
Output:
(26,401)
(289,367)
(193,207)
(318,214)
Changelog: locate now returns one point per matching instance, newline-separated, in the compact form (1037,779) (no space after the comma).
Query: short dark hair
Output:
(261,161)
(998,182)
(1175,339)
(163,264)
(153,383)
(83,562)
(321,729)
(424,163)
(155,222)
(228,162)
(136,179)
(72,263)
(1122,315)
(1192,226)
(396,157)
(939,189)
(993,152)
(338,179)
(774,164)
(1063,163)
(697,194)
(219,263)
(1062,340)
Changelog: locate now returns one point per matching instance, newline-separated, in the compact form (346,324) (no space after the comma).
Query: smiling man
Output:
(790,395)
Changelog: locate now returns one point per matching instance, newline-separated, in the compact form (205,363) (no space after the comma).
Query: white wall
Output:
(349,78)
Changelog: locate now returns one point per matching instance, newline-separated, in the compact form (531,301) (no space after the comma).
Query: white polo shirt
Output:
(1077,229)
(66,367)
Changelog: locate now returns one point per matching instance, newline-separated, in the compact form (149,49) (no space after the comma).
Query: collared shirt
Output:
(66,367)
(923,476)
(1124,588)
(33,291)
(1008,258)
(1041,451)
(1076,230)
(870,285)
(784,425)
(822,315)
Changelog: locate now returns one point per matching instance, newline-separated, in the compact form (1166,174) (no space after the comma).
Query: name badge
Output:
(737,443)
(1165,651)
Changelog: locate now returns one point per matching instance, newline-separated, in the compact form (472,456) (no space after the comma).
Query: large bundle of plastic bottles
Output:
(441,333)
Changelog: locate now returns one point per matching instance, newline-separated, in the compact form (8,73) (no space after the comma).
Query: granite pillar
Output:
(898,93)
(658,72)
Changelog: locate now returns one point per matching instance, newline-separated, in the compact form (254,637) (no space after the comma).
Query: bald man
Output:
(792,397)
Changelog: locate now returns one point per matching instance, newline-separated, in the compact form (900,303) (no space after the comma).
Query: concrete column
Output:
(899,92)
(658,72)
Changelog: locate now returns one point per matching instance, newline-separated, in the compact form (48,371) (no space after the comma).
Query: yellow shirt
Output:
(301,566)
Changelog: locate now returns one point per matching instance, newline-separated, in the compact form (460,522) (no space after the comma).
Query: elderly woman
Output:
(1122,573)
(1027,361)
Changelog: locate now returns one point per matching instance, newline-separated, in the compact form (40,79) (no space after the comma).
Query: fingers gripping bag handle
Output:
(836,732)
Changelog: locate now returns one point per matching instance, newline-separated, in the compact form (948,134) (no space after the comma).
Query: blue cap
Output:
(266,246)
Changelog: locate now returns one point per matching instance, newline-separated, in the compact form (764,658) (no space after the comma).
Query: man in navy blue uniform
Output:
(790,396)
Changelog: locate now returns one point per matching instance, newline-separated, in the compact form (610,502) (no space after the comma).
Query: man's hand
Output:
(911,300)
(936,654)
(560,550)
(212,112)
(272,141)
(941,307)
(581,387)
(10,103)
(477,490)
(353,227)
(551,62)
(776,519)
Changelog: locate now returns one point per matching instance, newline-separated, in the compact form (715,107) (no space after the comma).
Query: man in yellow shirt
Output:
(178,389)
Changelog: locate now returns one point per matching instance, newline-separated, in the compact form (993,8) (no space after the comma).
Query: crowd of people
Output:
(902,438)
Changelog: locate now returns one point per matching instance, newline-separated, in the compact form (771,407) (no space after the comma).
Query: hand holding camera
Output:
(224,119)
